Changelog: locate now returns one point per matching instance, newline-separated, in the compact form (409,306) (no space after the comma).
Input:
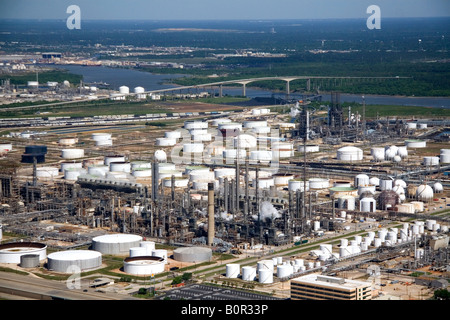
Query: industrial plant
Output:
(290,197)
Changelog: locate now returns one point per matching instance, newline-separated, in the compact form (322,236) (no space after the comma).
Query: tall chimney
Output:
(210,213)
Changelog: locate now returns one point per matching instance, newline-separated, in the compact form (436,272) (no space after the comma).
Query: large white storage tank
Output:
(261,155)
(430,161)
(285,270)
(367,205)
(349,154)
(143,265)
(72,153)
(120,167)
(65,261)
(318,183)
(47,172)
(265,276)
(162,253)
(117,158)
(361,180)
(232,270)
(245,141)
(190,124)
(308,148)
(416,143)
(12,252)
(119,244)
(298,184)
(166,142)
(445,156)
(193,148)
(248,273)
(124,90)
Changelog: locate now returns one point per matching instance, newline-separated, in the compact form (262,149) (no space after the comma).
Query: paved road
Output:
(42,289)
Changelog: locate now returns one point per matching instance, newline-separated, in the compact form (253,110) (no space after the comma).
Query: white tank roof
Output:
(70,255)
(117,238)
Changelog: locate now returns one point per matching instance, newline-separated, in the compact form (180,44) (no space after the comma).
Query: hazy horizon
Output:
(205,10)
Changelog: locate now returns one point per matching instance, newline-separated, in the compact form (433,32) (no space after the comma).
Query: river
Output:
(117,77)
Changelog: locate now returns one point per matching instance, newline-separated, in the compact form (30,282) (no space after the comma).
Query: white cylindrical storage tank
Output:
(65,261)
(70,165)
(47,172)
(430,161)
(143,265)
(232,270)
(138,251)
(230,126)
(139,90)
(299,262)
(224,172)
(232,154)
(202,137)
(115,243)
(216,122)
(179,182)
(192,124)
(73,174)
(264,183)
(193,254)
(386,184)
(347,202)
(297,184)
(265,276)
(318,183)
(260,130)
(256,112)
(349,154)
(254,123)
(172,134)
(120,167)
(148,245)
(193,147)
(284,271)
(109,159)
(265,264)
(374,181)
(361,180)
(367,205)
(344,243)
(281,179)
(261,155)
(245,141)
(415,143)
(248,273)
(166,142)
(101,136)
(32,84)
(72,153)
(308,148)
(377,242)
(99,170)
(422,125)
(364,246)
(166,173)
(162,253)
(345,251)
(411,125)
(366,188)
(124,90)
(5,147)
(12,252)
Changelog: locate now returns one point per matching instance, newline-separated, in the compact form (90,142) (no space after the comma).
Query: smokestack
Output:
(210,213)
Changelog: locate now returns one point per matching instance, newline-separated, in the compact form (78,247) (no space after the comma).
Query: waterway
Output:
(131,78)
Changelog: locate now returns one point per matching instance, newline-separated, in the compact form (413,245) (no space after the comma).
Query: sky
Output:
(220,10)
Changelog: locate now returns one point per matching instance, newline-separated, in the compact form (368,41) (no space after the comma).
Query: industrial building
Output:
(318,287)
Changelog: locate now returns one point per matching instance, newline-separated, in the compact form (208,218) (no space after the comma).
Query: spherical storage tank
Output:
(65,261)
(115,243)
(12,252)
(349,154)
(424,192)
(143,265)
(377,154)
(192,254)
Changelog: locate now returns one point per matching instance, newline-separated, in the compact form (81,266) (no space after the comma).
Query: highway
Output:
(31,287)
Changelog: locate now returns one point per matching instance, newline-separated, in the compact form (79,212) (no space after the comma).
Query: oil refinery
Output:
(285,196)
